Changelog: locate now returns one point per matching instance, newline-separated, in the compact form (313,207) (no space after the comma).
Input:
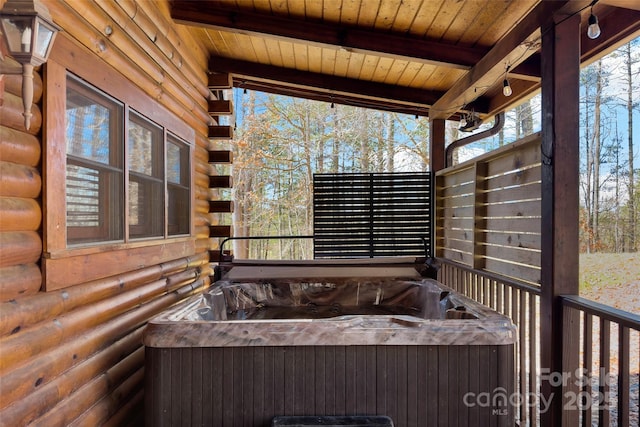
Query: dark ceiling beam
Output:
(617,25)
(402,46)
(513,49)
(390,105)
(627,4)
(529,70)
(342,90)
(278,89)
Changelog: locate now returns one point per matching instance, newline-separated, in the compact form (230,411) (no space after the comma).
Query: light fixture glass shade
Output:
(28,30)
(593,31)
(45,34)
(18,32)
(506,88)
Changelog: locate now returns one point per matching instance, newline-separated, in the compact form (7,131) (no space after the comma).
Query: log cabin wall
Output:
(70,328)
(20,186)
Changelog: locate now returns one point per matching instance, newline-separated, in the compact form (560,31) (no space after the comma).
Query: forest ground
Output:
(614,279)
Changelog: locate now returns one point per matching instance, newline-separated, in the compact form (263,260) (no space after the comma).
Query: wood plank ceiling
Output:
(426,57)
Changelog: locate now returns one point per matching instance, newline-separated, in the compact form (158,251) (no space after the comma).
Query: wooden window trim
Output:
(145,181)
(65,266)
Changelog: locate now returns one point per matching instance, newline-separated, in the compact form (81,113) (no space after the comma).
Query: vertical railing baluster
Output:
(587,360)
(473,284)
(624,350)
(505,301)
(604,413)
(522,306)
(494,292)
(522,328)
(533,357)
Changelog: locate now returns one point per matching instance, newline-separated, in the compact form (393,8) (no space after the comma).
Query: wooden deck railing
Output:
(488,231)
(488,237)
(608,390)
(520,301)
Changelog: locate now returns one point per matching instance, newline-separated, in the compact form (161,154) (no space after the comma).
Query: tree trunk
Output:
(527,119)
(243,183)
(335,154)
(363,134)
(597,148)
(631,179)
(390,142)
(380,150)
(308,194)
(588,175)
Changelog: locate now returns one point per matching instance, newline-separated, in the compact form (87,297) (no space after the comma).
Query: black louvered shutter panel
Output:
(371,214)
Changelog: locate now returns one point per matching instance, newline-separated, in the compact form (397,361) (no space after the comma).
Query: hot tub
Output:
(269,341)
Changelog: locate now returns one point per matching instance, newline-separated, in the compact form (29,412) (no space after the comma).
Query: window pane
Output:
(146,172)
(94,183)
(173,163)
(146,210)
(83,196)
(178,187)
(90,123)
(145,147)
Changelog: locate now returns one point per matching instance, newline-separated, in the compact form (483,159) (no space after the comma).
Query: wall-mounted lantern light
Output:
(29,32)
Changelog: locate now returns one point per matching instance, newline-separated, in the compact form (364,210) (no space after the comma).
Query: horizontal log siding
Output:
(489,211)
(20,188)
(74,356)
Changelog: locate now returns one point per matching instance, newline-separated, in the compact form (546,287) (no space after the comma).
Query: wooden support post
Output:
(436,141)
(436,163)
(560,203)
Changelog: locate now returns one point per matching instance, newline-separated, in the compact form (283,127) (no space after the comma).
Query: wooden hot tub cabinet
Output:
(442,366)
(416,386)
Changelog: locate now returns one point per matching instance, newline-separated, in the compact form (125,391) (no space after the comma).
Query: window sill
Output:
(73,266)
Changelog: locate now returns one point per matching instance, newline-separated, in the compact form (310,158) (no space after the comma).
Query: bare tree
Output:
(391,151)
(629,77)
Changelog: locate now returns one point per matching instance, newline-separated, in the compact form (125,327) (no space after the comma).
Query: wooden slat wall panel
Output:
(417,386)
(490,211)
(371,215)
